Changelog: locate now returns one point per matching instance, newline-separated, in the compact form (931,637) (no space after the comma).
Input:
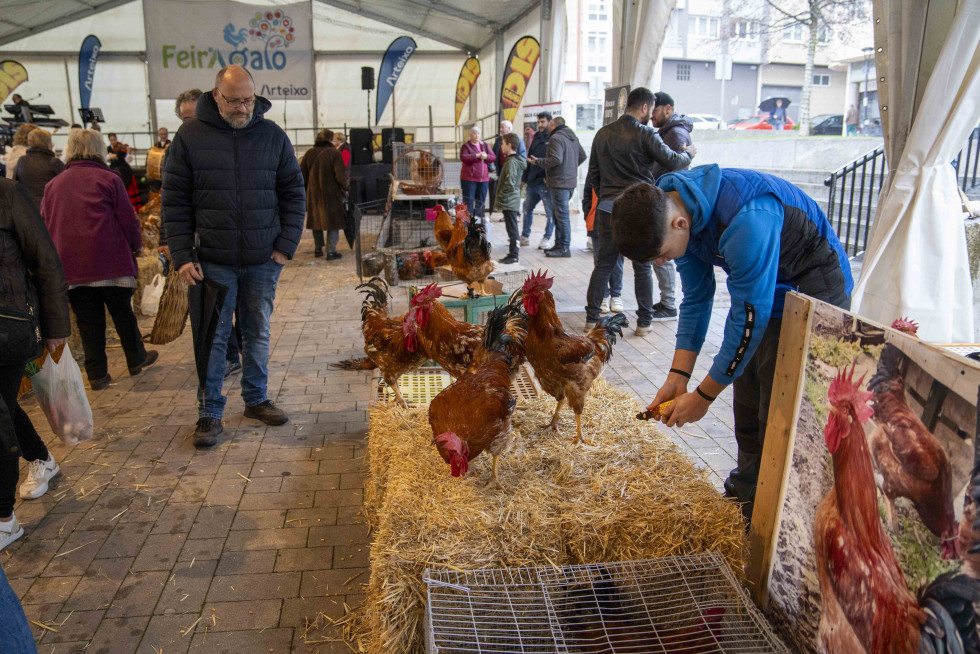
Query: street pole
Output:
(864,99)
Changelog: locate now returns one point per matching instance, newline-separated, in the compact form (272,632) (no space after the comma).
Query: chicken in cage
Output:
(677,605)
(418,172)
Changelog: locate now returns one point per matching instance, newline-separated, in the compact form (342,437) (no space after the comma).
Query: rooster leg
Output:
(554,419)
(578,434)
(890,512)
(398,393)
(493,475)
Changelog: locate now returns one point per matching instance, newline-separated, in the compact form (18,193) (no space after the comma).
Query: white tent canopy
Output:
(916,264)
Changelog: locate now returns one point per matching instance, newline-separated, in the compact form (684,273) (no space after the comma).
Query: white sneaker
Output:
(616,305)
(604,306)
(546,243)
(38,475)
(588,244)
(525,241)
(10,531)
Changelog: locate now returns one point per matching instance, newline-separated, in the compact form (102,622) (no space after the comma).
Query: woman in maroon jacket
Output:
(474,176)
(95,230)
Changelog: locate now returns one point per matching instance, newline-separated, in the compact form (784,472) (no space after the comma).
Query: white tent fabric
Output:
(916,264)
(638,35)
(553,60)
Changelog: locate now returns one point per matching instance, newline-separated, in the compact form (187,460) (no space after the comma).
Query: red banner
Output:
(520,64)
(12,75)
(467,78)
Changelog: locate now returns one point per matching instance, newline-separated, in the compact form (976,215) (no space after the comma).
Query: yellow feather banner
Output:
(12,75)
(467,79)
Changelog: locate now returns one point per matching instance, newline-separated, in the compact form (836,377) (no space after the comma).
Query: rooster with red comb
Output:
(565,363)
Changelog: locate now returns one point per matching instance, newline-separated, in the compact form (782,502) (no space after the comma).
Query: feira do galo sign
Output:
(467,78)
(523,57)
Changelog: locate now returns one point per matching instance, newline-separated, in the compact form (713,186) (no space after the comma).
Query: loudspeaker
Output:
(367,78)
(389,134)
(360,145)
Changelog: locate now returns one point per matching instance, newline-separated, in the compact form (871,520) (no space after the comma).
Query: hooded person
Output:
(675,129)
(769,237)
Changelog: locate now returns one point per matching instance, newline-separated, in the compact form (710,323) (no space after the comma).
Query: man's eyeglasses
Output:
(234,104)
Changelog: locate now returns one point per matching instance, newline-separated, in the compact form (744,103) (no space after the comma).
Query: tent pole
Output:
(71,102)
(432,138)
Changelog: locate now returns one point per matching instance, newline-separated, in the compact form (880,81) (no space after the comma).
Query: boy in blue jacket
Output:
(770,237)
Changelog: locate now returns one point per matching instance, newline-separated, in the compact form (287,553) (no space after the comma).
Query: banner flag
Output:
(88,56)
(520,64)
(467,79)
(274,42)
(12,75)
(392,65)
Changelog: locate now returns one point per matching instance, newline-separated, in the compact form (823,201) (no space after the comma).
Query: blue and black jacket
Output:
(770,237)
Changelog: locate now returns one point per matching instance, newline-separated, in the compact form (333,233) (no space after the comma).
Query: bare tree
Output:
(833,17)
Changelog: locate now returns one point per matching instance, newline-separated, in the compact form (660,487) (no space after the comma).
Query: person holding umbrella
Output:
(233,206)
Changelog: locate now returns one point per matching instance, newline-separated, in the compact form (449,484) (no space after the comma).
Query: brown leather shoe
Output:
(151,358)
(268,413)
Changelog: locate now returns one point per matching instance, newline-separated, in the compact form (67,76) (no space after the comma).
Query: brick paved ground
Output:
(144,544)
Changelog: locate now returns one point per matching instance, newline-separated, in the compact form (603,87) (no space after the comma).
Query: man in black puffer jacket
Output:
(231,180)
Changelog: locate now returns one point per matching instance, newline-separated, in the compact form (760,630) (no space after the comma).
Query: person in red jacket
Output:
(94,228)
(474,178)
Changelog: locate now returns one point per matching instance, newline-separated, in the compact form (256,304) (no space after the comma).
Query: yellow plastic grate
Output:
(420,387)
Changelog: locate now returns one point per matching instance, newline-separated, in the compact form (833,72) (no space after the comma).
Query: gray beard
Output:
(235,124)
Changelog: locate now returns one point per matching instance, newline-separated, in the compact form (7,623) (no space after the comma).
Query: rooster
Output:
(968,540)
(473,413)
(469,256)
(909,461)
(448,233)
(866,605)
(565,364)
(391,345)
(412,266)
(443,228)
(451,343)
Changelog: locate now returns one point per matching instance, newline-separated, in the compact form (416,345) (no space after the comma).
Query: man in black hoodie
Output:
(233,183)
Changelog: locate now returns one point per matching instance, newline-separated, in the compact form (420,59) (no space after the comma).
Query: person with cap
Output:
(623,153)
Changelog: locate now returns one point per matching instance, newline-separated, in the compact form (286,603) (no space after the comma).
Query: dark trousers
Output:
(752,392)
(89,304)
(333,238)
(606,260)
(513,231)
(31,446)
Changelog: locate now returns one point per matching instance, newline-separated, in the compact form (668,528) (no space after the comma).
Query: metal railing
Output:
(858,183)
(967,162)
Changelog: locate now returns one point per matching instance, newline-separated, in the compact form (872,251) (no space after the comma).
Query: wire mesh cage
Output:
(418,172)
(678,604)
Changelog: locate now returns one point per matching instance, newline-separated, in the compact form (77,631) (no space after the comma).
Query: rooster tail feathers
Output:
(952,621)
(375,295)
(362,363)
(506,327)
(606,331)
(475,241)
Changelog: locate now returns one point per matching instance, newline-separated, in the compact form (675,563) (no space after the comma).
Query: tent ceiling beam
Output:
(387,20)
(518,18)
(436,6)
(62,20)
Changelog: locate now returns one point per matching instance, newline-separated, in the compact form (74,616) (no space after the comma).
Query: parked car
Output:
(706,121)
(827,125)
(760,121)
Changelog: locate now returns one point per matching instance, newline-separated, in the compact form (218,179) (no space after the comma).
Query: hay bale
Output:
(631,494)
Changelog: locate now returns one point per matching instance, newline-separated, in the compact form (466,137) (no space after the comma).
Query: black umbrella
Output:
(204,299)
(352,221)
(769,104)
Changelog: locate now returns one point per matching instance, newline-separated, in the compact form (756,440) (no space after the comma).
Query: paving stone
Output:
(191,489)
(317,517)
(265,539)
(264,519)
(99,584)
(347,497)
(306,558)
(269,468)
(30,558)
(201,549)
(352,556)
(225,491)
(126,540)
(242,642)
(264,484)
(159,552)
(118,635)
(163,635)
(213,522)
(320,583)
(186,589)
(78,550)
(138,594)
(310,483)
(52,526)
(247,562)
(254,586)
(43,613)
(241,616)
(176,518)
(260,501)
(75,626)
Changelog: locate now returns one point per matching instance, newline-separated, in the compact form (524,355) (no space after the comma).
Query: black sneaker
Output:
(231,367)
(99,384)
(151,358)
(333,256)
(207,432)
(662,315)
(510,258)
(556,253)
(318,253)
(267,412)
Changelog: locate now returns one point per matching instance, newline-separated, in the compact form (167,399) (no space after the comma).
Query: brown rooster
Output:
(865,603)
(443,228)
(449,342)
(469,258)
(473,413)
(565,364)
(391,345)
(910,461)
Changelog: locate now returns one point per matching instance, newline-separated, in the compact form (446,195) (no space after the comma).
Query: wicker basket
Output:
(171,317)
(418,173)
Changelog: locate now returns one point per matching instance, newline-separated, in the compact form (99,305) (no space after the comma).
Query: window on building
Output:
(793,32)
(713,27)
(683,72)
(592,16)
(591,69)
(602,44)
(703,26)
(821,80)
(588,117)
(592,40)
(744,29)
(823,35)
(602,69)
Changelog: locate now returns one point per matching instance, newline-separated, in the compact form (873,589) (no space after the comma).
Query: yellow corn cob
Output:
(660,408)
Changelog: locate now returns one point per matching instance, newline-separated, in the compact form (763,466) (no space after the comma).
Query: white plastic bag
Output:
(61,393)
(152,293)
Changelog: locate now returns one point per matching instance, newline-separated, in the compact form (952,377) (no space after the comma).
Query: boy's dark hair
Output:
(545,114)
(110,135)
(513,140)
(639,222)
(639,97)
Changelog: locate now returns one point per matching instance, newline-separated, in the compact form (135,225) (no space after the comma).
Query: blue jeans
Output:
(474,195)
(537,191)
(615,287)
(15,633)
(852,130)
(253,288)
(606,256)
(559,208)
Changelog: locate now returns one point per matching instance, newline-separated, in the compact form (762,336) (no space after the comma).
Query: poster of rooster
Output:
(873,549)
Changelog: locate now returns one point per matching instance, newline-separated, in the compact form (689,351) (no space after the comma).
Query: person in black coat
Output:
(38,166)
(231,181)
(33,283)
